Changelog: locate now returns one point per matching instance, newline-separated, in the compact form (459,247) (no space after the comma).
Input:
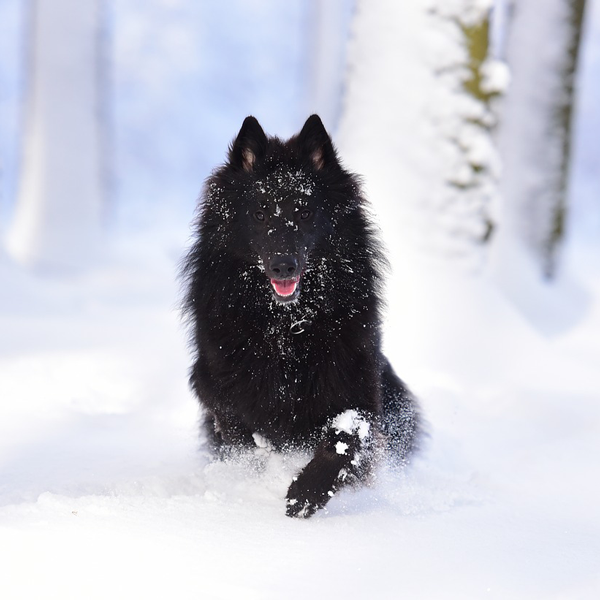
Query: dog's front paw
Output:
(301,509)
(304,498)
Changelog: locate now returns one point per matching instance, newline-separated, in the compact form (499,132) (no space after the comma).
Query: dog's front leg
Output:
(344,454)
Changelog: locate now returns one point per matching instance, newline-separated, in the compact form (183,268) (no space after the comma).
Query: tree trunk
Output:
(418,122)
(58,216)
(543,43)
(329,39)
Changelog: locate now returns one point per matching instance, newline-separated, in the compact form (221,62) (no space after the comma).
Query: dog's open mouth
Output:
(285,288)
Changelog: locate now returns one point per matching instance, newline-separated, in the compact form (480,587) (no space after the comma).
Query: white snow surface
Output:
(105,489)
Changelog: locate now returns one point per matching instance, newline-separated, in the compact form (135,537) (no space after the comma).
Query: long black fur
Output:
(287,367)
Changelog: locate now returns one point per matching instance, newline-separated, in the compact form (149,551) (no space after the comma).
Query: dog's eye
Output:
(305,214)
(259,215)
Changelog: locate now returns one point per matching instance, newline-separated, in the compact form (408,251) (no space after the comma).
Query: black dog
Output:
(284,301)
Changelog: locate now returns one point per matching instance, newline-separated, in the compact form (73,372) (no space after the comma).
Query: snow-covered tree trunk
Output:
(542,47)
(61,192)
(330,23)
(475,180)
(420,129)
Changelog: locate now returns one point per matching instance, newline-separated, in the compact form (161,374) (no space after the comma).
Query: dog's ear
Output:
(249,146)
(315,144)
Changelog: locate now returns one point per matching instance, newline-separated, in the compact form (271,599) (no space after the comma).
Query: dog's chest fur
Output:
(286,376)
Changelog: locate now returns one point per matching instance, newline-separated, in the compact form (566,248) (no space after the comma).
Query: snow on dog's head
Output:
(275,205)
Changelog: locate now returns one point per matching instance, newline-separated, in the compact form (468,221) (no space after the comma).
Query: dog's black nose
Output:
(282,267)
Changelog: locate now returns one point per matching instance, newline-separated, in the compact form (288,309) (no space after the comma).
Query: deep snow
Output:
(105,490)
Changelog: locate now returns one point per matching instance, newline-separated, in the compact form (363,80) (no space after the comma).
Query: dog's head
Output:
(281,198)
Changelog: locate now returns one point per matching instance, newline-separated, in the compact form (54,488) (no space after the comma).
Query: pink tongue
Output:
(285,287)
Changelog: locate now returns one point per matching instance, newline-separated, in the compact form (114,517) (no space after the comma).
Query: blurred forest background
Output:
(459,113)
(475,125)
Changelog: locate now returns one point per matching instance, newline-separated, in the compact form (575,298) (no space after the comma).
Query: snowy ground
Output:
(104,490)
